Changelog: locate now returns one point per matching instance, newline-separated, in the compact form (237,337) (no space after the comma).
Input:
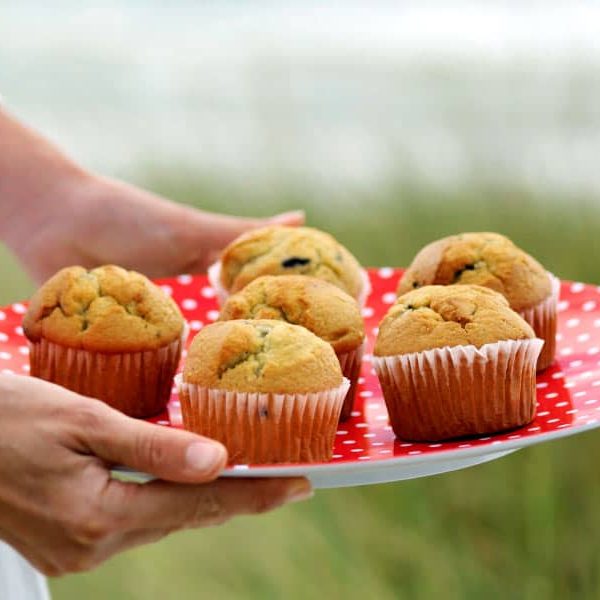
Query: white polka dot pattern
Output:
(568,392)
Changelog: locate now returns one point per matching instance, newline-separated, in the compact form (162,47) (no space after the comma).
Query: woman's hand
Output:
(59,505)
(55,214)
(103,221)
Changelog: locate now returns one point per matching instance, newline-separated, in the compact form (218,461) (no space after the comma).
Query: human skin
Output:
(59,505)
(53,213)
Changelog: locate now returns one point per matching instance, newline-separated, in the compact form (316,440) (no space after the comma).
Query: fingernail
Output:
(298,491)
(204,457)
(293,215)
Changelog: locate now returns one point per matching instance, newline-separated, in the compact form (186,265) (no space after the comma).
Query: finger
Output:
(214,232)
(294,218)
(234,226)
(225,229)
(170,454)
(162,505)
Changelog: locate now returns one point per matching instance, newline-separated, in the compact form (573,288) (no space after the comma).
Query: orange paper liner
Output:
(263,428)
(214,278)
(543,320)
(456,391)
(136,383)
(351,363)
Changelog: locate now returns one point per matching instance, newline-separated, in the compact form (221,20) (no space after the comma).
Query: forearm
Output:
(32,173)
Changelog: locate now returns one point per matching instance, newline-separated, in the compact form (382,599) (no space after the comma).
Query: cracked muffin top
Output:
(281,250)
(107,309)
(437,316)
(319,306)
(261,356)
(487,259)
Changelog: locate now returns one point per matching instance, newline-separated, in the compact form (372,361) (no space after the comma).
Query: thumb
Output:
(169,454)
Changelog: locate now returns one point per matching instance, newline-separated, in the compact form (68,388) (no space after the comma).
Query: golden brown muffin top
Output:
(487,259)
(281,250)
(436,316)
(261,356)
(107,309)
(319,306)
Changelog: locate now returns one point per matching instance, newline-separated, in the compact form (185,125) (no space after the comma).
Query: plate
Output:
(366,452)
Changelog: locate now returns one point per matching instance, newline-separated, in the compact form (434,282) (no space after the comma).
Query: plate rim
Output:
(307,469)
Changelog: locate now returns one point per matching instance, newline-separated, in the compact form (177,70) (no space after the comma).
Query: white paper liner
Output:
(263,428)
(136,383)
(543,320)
(214,278)
(350,363)
(461,390)
(366,290)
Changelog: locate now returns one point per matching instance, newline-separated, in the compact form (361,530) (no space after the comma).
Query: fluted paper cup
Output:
(366,290)
(136,383)
(543,320)
(214,278)
(264,428)
(351,363)
(461,390)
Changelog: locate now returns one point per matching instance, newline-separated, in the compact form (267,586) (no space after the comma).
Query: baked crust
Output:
(281,250)
(107,309)
(437,316)
(487,259)
(261,356)
(321,307)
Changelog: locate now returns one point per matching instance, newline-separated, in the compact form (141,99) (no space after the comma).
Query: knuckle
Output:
(208,509)
(88,527)
(262,502)
(88,416)
(92,532)
(149,449)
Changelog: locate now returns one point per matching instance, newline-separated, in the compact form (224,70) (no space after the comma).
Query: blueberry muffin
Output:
(107,333)
(268,390)
(455,361)
(319,306)
(281,250)
(493,261)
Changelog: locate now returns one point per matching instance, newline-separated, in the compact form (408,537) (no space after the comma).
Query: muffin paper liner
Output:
(543,320)
(351,363)
(261,428)
(214,278)
(461,390)
(136,383)
(366,290)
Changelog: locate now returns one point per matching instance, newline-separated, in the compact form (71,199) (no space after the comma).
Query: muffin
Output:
(319,306)
(281,250)
(455,361)
(106,333)
(493,261)
(270,391)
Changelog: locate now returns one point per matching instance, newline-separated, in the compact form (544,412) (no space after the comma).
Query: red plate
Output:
(365,449)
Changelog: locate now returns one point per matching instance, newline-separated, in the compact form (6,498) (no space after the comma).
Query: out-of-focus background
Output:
(392,124)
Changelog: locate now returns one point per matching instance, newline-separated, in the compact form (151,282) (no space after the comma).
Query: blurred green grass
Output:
(524,527)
